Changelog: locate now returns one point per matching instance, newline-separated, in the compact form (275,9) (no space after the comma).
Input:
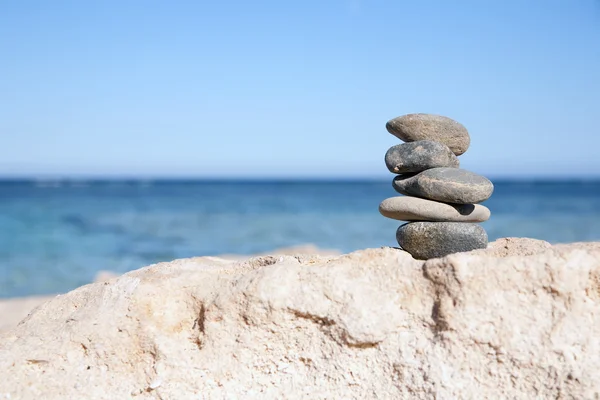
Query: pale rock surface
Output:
(13,310)
(372,324)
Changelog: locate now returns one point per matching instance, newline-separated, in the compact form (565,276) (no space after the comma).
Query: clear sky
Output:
(294,88)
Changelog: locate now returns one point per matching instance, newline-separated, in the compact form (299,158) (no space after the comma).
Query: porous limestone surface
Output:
(518,320)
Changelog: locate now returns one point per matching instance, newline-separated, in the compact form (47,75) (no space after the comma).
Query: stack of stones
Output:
(440,199)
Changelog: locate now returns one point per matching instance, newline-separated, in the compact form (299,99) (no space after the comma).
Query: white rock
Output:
(371,324)
(155,384)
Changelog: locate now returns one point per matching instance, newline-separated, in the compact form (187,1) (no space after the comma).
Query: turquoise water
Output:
(56,236)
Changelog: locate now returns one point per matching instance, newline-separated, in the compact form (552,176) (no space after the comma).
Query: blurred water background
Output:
(56,236)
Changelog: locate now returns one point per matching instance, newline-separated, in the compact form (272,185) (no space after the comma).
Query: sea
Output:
(57,235)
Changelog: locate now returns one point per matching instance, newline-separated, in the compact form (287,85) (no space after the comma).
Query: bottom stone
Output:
(425,240)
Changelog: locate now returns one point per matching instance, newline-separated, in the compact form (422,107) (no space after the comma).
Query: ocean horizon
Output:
(103,179)
(57,233)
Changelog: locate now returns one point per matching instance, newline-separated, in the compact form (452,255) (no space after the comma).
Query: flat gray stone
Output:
(449,185)
(419,156)
(413,127)
(407,208)
(425,240)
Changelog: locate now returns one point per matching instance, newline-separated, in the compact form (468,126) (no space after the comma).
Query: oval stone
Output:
(407,208)
(425,240)
(419,156)
(449,185)
(413,127)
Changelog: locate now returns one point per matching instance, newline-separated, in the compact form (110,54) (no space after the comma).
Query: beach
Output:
(299,200)
(13,310)
(58,237)
(516,320)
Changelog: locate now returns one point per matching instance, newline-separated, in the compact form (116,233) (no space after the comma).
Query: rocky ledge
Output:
(520,319)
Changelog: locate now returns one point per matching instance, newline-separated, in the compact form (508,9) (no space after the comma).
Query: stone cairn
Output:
(440,202)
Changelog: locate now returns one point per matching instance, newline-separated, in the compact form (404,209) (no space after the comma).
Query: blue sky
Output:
(294,88)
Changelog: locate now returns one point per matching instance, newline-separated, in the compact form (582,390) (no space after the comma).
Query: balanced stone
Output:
(419,156)
(406,208)
(449,185)
(413,127)
(425,240)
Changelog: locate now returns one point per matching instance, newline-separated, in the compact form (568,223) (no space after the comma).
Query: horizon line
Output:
(283,179)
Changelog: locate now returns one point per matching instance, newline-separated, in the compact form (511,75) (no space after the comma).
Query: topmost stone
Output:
(413,127)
